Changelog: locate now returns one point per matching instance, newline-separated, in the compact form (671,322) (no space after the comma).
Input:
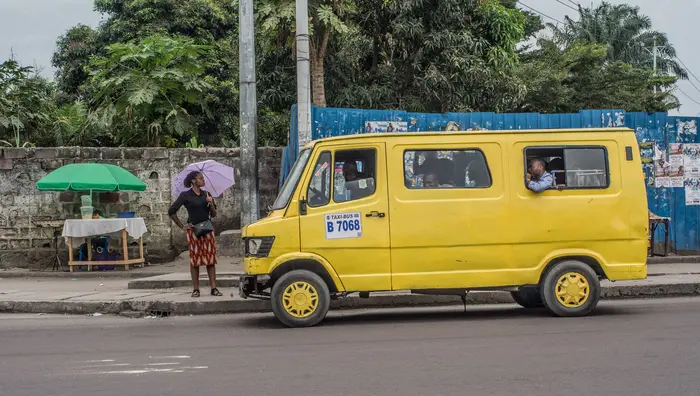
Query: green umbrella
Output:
(90,177)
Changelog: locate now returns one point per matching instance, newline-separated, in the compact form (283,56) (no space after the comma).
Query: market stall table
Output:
(654,223)
(134,227)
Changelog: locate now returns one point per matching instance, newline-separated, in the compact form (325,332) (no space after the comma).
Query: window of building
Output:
(573,167)
(355,174)
(319,190)
(431,169)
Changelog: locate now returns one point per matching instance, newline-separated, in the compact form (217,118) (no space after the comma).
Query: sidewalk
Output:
(179,265)
(113,296)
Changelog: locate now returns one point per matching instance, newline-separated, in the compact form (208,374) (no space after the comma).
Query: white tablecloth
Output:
(135,227)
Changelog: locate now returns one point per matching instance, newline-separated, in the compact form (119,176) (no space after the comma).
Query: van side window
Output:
(573,167)
(355,174)
(431,169)
(319,191)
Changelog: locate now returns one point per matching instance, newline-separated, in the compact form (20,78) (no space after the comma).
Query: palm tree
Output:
(627,33)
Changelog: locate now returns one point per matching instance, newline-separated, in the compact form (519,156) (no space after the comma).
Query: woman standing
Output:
(200,208)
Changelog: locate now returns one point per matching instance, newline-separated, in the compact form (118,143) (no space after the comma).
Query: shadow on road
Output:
(428,315)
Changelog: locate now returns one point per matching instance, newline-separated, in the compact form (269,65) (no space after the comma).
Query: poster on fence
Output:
(386,126)
(675,160)
(691,159)
(646,153)
(692,191)
(662,169)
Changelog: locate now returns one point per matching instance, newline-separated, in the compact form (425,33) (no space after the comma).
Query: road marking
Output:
(142,371)
(169,357)
(109,365)
(163,364)
(99,361)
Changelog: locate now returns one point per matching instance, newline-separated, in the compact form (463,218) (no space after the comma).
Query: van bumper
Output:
(253,286)
(626,272)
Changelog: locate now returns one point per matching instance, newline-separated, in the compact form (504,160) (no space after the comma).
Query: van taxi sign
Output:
(343,225)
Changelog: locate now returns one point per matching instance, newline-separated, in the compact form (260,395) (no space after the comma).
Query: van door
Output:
(347,214)
(450,214)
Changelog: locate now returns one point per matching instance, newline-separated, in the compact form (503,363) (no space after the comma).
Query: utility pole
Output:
(303,75)
(248,114)
(654,54)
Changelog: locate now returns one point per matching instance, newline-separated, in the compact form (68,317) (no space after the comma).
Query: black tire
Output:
(574,271)
(528,297)
(300,277)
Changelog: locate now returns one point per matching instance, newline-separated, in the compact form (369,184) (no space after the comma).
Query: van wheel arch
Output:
(307,265)
(589,261)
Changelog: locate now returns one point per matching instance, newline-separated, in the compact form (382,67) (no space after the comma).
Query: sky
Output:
(30,28)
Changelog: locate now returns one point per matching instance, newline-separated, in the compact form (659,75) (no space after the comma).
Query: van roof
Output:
(464,133)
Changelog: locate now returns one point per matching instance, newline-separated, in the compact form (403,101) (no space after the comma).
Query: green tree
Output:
(26,104)
(206,22)
(73,52)
(580,77)
(141,89)
(626,32)
(451,55)
(327,18)
(72,126)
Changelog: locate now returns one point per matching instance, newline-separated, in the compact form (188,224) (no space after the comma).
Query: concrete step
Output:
(176,280)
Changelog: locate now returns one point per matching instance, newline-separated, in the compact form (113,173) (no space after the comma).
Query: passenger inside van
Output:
(431,180)
(442,167)
(538,179)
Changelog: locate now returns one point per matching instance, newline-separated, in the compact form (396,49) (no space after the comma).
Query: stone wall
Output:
(22,206)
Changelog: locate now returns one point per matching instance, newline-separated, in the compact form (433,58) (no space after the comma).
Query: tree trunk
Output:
(318,80)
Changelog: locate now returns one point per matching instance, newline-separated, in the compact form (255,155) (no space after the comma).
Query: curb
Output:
(673,260)
(131,274)
(138,308)
(232,279)
(222,280)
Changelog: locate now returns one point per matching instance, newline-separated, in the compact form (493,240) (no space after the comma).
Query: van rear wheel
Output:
(300,298)
(570,288)
(528,297)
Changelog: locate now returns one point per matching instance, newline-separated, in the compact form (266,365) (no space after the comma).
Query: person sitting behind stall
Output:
(538,179)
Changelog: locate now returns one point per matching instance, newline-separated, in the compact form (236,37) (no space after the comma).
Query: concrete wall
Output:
(23,244)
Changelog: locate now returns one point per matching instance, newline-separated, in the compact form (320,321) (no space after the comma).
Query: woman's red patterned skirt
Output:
(202,250)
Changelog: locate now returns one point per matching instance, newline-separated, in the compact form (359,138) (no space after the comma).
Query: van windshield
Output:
(291,183)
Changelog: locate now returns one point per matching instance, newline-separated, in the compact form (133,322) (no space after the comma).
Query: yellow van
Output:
(543,214)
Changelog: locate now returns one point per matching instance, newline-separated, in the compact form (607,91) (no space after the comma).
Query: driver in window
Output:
(355,182)
(350,172)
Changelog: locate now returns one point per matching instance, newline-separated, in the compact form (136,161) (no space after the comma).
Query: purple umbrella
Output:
(218,177)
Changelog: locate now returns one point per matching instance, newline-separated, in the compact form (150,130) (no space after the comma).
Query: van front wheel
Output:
(300,299)
(571,288)
(528,297)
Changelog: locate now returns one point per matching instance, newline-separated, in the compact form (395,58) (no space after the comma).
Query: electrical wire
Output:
(566,5)
(539,12)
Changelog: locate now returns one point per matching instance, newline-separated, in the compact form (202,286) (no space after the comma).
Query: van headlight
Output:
(258,246)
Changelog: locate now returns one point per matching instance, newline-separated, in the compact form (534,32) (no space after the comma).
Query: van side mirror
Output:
(302,206)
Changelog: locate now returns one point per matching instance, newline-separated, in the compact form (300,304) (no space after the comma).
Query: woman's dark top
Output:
(196,205)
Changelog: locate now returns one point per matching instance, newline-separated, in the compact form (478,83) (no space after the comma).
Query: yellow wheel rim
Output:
(572,290)
(300,299)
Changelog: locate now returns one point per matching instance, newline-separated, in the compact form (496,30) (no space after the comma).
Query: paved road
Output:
(641,348)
